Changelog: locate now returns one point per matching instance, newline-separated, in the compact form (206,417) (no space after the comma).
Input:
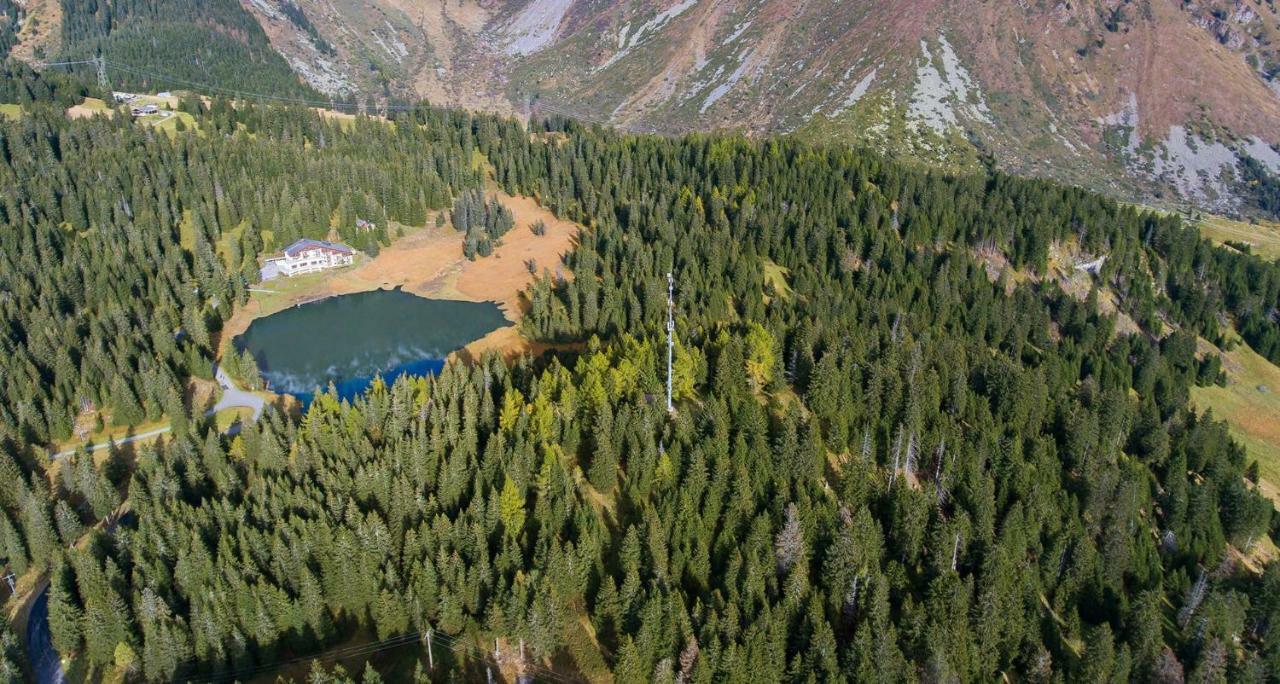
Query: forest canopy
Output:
(171,44)
(888,461)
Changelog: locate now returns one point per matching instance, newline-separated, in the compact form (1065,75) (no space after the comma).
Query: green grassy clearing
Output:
(169,124)
(277,294)
(1250,403)
(95,104)
(1263,237)
(776,277)
(225,418)
(187,232)
(228,237)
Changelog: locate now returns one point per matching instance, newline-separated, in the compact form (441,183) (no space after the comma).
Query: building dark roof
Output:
(305,244)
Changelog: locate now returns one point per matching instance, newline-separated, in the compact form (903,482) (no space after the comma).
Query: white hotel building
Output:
(307,256)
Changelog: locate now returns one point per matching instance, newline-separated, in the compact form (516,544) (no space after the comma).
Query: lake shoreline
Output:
(347,341)
(429,262)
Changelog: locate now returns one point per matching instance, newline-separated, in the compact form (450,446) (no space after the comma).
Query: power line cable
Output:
(541,105)
(52,64)
(452,643)
(337,653)
(541,670)
(230,91)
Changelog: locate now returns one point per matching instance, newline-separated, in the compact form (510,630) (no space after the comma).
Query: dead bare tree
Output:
(789,543)
(1194,596)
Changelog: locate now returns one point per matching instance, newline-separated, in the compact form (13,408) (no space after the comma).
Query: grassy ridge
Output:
(1250,403)
(1263,237)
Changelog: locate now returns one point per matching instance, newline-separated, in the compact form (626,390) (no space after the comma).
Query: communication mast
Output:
(671,332)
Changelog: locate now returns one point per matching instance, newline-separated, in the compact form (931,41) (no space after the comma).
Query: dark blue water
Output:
(351,339)
(354,387)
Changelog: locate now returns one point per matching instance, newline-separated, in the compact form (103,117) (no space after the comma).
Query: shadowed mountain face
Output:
(153,44)
(1170,101)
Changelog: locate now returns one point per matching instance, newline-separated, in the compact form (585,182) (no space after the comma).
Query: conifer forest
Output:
(885,463)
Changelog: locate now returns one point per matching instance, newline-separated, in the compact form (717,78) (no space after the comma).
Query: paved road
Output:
(232,397)
(124,440)
(46,664)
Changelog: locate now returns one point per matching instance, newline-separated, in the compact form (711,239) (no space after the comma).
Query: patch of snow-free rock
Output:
(1126,122)
(701,84)
(266,8)
(1244,14)
(1260,150)
(396,44)
(660,20)
(858,91)
(323,75)
(1274,85)
(1126,116)
(397,52)
(722,89)
(628,40)
(1200,169)
(939,94)
(737,32)
(961,84)
(929,106)
(535,26)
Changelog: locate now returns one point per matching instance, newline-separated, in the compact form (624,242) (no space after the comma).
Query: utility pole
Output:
(671,332)
(431,658)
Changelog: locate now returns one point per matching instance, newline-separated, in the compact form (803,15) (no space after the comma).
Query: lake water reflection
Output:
(350,339)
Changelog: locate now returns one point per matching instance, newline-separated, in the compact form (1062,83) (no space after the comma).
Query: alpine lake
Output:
(349,340)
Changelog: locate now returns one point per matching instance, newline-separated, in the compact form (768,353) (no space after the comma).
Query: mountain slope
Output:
(160,44)
(10,24)
(1144,98)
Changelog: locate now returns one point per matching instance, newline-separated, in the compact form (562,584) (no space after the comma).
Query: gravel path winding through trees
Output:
(232,397)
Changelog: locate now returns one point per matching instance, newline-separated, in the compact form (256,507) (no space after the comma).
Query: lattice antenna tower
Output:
(671,334)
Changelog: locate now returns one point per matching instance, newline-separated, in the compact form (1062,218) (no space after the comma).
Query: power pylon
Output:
(101,65)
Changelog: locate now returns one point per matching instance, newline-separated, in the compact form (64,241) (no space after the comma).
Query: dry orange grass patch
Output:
(429,262)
